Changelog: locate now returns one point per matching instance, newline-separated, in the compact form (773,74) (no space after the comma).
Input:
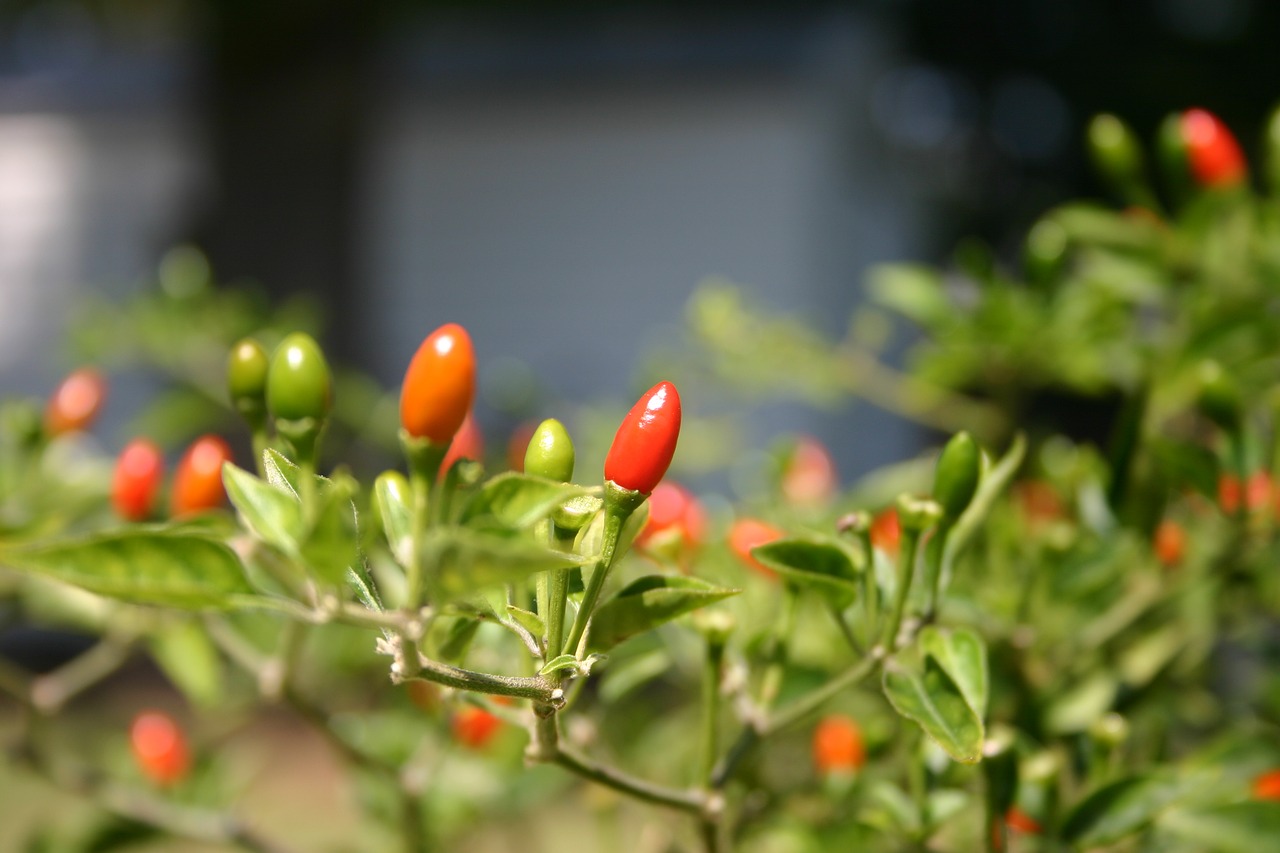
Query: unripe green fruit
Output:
(247,366)
(956,479)
(298,382)
(550,453)
(1115,152)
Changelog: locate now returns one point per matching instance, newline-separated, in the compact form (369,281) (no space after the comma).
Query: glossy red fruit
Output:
(749,533)
(160,748)
(646,440)
(197,484)
(1213,155)
(674,514)
(76,401)
(1267,786)
(809,477)
(838,746)
(439,385)
(1169,542)
(475,727)
(467,443)
(136,482)
(886,532)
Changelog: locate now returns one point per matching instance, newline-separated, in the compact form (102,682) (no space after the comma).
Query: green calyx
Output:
(247,366)
(550,453)
(299,385)
(917,515)
(1219,397)
(955,481)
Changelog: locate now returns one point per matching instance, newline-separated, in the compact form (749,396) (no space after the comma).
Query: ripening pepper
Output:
(747,534)
(159,748)
(136,480)
(76,402)
(955,480)
(197,483)
(838,746)
(439,385)
(247,366)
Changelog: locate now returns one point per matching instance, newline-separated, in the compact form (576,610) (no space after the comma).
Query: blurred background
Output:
(559,177)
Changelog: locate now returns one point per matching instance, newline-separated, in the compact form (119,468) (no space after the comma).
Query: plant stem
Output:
(877,383)
(616,514)
(906,572)
(51,691)
(712,672)
(692,802)
(536,688)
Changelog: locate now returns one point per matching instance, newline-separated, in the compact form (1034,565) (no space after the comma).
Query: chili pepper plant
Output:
(1046,633)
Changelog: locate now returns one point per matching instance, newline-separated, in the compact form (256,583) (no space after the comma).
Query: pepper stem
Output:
(619,503)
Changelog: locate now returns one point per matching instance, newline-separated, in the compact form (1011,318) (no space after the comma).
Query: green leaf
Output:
(824,567)
(450,636)
(395,508)
(560,663)
(187,655)
(913,290)
(272,512)
(935,703)
(143,566)
(462,561)
(1250,827)
(993,482)
(962,656)
(531,622)
(518,500)
(648,602)
(280,471)
(329,545)
(1119,809)
(1077,707)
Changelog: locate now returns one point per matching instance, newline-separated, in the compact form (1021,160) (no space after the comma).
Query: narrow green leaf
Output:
(187,655)
(281,472)
(271,512)
(1250,827)
(935,703)
(963,656)
(993,482)
(532,622)
(395,508)
(824,567)
(144,566)
(557,664)
(648,602)
(1119,809)
(450,636)
(462,561)
(518,500)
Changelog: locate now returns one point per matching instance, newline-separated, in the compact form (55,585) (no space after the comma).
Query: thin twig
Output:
(536,688)
(693,802)
(49,692)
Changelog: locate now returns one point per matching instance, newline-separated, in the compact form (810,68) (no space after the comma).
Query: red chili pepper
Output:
(467,443)
(197,485)
(76,401)
(1170,543)
(809,478)
(674,513)
(139,470)
(837,746)
(1257,492)
(160,748)
(439,385)
(1213,154)
(1267,786)
(475,727)
(749,533)
(1018,820)
(645,441)
(519,443)
(886,532)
